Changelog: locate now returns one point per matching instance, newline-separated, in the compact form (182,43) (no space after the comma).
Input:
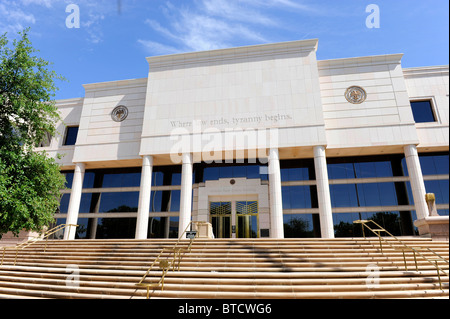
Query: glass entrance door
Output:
(247,219)
(234,219)
(221,219)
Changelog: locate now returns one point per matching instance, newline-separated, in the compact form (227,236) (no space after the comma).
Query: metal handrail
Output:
(405,247)
(33,240)
(169,263)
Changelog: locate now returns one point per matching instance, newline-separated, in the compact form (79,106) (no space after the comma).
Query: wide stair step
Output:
(226,269)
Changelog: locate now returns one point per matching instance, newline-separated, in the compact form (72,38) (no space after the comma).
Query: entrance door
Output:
(247,219)
(221,219)
(234,219)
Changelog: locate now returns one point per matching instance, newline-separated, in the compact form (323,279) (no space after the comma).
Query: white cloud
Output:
(202,32)
(212,24)
(45,3)
(14,19)
(236,10)
(158,48)
(291,4)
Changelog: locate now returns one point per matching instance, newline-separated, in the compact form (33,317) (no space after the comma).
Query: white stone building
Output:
(261,141)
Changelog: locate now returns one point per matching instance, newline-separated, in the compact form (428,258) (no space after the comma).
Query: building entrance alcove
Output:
(236,208)
(236,218)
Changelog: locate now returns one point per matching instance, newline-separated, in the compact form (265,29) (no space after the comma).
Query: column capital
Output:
(411,150)
(320,150)
(274,154)
(80,166)
(187,158)
(147,160)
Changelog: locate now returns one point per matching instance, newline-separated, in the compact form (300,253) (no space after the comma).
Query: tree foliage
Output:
(30,181)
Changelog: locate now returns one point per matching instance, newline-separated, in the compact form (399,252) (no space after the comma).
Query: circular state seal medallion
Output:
(120,113)
(355,95)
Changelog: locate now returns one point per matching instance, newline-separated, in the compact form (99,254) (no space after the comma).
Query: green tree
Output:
(29,181)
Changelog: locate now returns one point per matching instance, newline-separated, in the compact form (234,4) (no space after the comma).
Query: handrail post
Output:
(415,260)
(439,274)
(404,259)
(15,259)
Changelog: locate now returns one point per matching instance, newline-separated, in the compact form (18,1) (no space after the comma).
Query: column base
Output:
(435,227)
(204,230)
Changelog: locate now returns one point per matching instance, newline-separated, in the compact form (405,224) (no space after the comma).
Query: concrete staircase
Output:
(225,269)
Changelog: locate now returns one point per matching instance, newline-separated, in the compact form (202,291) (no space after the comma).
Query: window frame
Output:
(433,109)
(66,135)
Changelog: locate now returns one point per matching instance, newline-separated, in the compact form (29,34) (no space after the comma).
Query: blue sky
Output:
(113,41)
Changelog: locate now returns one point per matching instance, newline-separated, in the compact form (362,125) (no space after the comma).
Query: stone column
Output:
(276,202)
(323,193)
(144,198)
(75,200)
(186,193)
(417,183)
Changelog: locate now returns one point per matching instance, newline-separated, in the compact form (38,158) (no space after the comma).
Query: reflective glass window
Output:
(434,164)
(119,202)
(373,169)
(443,212)
(362,195)
(423,111)
(69,178)
(176,179)
(85,203)
(121,180)
(297,170)
(64,204)
(298,226)
(341,171)
(296,197)
(175,201)
(212,172)
(117,228)
(88,180)
(344,195)
(71,135)
(377,194)
(359,169)
(344,226)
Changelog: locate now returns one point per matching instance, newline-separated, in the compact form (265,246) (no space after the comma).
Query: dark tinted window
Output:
(434,164)
(71,135)
(423,111)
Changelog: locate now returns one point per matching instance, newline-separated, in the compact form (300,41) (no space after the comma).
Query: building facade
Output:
(260,141)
